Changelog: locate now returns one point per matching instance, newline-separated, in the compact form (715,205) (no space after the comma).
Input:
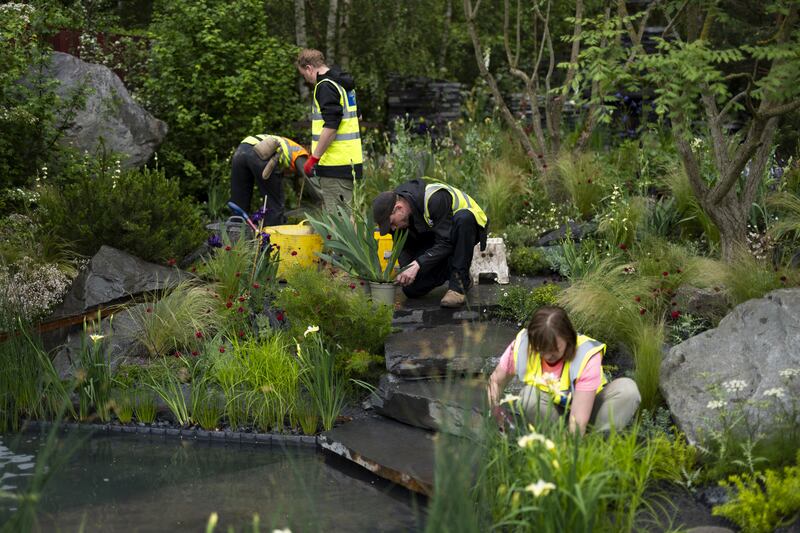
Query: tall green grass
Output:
(93,376)
(746,277)
(321,379)
(583,178)
(694,218)
(500,195)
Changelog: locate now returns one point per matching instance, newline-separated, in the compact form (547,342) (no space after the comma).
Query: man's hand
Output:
(407,276)
(310,164)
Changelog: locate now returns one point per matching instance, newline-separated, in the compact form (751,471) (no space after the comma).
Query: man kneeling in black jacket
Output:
(444,225)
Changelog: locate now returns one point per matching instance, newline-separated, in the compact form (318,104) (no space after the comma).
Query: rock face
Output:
(747,352)
(111,275)
(705,303)
(447,350)
(110,114)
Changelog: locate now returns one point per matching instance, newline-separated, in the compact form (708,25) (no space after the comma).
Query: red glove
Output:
(309,166)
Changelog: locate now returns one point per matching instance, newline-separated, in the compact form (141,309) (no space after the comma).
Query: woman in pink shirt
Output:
(563,374)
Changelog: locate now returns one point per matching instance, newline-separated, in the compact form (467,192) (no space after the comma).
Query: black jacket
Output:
(428,245)
(331,110)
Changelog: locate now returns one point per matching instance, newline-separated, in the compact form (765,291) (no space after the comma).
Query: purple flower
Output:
(258,215)
(215,241)
(264,240)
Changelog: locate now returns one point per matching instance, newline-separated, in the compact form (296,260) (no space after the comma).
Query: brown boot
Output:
(453,299)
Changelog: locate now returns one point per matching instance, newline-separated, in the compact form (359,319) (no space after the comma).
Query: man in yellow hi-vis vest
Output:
(264,159)
(336,157)
(444,225)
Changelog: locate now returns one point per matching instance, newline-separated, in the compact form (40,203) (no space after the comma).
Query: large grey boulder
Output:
(109,115)
(112,275)
(740,365)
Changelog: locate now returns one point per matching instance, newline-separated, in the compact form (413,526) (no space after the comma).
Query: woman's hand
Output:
(581,410)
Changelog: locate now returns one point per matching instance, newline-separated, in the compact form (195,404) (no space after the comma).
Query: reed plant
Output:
(175,318)
(169,388)
(503,187)
(122,403)
(307,415)
(207,407)
(144,406)
(228,374)
(324,383)
(93,376)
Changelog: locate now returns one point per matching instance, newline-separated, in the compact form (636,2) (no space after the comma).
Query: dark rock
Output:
(110,118)
(111,276)
(453,406)
(575,230)
(753,344)
(713,495)
(394,451)
(447,350)
(705,303)
(709,529)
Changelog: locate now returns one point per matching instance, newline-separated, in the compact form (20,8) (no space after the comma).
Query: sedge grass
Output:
(746,277)
(122,404)
(582,177)
(170,389)
(144,406)
(503,186)
(174,318)
(93,377)
(207,409)
(321,379)
(694,217)
(646,342)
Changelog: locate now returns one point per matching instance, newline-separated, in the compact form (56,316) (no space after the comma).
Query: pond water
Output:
(133,483)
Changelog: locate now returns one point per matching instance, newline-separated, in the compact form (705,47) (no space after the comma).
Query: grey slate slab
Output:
(394,451)
(455,349)
(453,406)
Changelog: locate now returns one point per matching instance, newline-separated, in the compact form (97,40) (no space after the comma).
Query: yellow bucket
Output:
(384,248)
(297,243)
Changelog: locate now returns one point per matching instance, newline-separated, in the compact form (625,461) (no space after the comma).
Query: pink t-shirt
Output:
(589,379)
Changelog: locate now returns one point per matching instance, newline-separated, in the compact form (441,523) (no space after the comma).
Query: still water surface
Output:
(134,483)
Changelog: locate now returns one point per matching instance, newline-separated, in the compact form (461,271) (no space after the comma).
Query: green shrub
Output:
(519,303)
(214,84)
(345,316)
(520,236)
(138,211)
(763,502)
(528,261)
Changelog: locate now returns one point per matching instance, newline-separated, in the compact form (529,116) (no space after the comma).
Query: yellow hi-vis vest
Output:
(346,147)
(529,369)
(460,201)
(288,152)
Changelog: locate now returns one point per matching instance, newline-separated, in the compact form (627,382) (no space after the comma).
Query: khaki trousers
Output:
(334,191)
(616,404)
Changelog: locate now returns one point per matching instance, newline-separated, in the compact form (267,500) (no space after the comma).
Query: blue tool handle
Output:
(238,210)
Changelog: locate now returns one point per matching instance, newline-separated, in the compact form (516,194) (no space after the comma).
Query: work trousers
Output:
(455,268)
(246,169)
(614,405)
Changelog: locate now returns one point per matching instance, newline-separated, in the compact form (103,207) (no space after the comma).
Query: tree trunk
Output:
(441,63)
(301,40)
(330,41)
(344,25)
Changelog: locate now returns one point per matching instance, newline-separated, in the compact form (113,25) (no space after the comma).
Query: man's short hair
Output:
(310,56)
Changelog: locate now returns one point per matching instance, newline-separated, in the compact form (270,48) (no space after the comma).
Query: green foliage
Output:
(499,194)
(762,502)
(176,318)
(620,222)
(694,220)
(646,341)
(93,376)
(144,406)
(519,303)
(585,180)
(122,404)
(745,277)
(138,211)
(528,261)
(346,317)
(321,379)
(520,235)
(167,385)
(214,84)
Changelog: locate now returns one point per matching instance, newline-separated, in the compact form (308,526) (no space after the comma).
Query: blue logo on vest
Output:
(351,98)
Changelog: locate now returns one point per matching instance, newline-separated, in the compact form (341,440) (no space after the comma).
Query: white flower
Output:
(735,385)
(778,392)
(540,488)
(715,404)
(95,337)
(510,398)
(310,329)
(286,530)
(526,441)
(549,381)
(790,373)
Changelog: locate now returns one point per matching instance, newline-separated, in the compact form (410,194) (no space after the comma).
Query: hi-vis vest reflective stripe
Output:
(530,368)
(288,153)
(346,147)
(460,201)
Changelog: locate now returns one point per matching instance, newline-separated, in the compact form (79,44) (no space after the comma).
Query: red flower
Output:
(294,252)
(540,156)
(361,283)
(328,237)
(665,273)
(352,285)
(279,316)
(221,349)
(642,310)
(675,314)
(637,298)
(674,304)
(193,270)
(622,246)
(241,298)
(544,167)
(238,274)
(256,286)
(195,353)
(241,309)
(227,248)
(198,334)
(241,333)
(228,304)
(149,309)
(171,262)
(178,354)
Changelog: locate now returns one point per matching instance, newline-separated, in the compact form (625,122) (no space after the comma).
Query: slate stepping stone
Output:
(394,451)
(450,350)
(453,406)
